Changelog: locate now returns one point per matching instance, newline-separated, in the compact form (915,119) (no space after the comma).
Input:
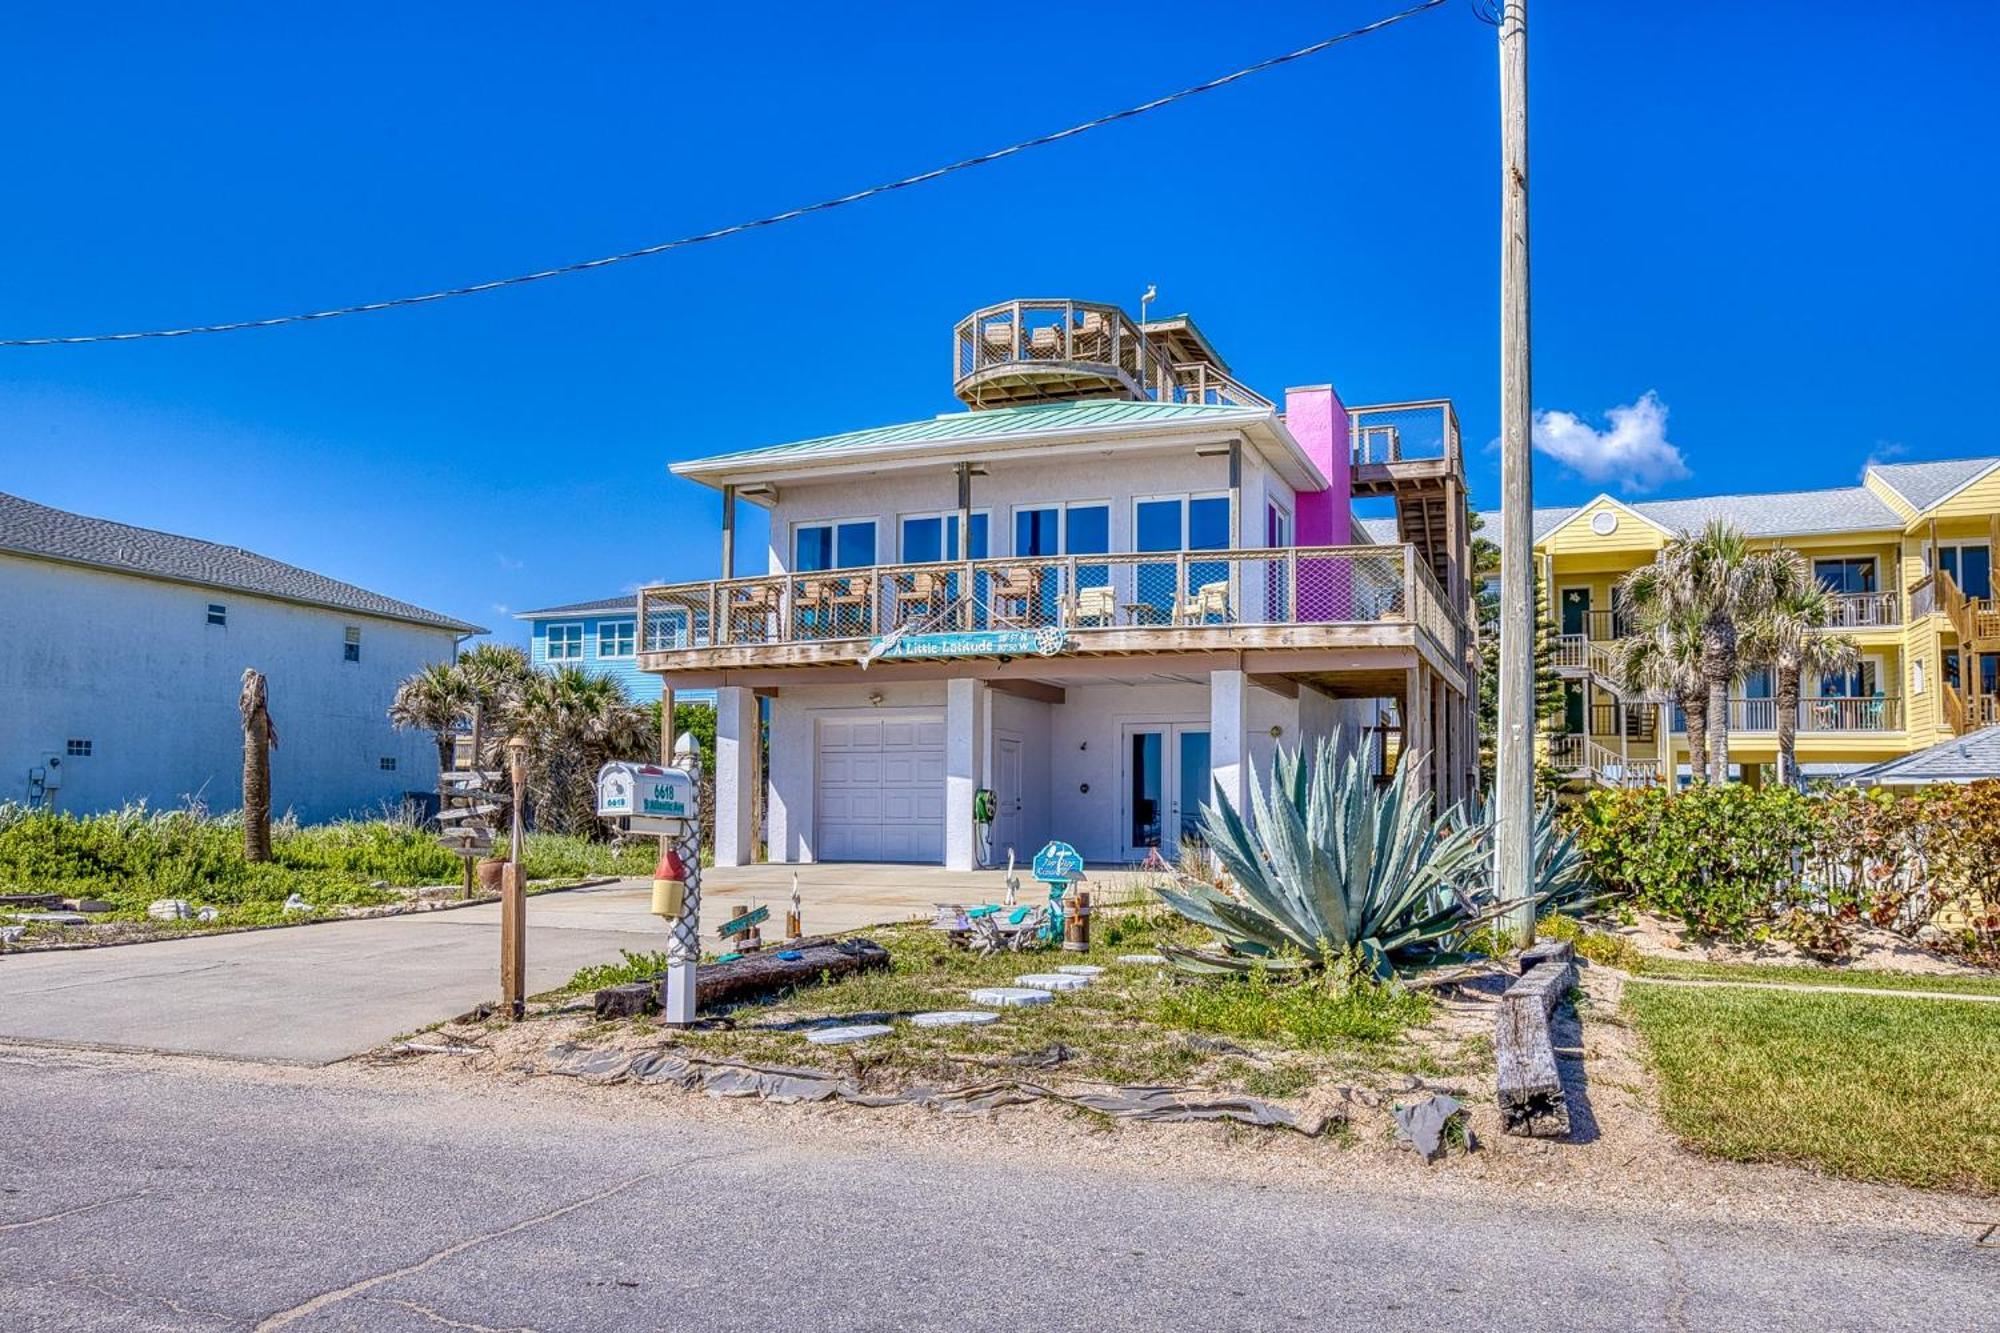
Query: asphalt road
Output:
(142,1194)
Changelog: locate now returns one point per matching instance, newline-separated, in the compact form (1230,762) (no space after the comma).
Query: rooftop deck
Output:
(1122,603)
(1032,351)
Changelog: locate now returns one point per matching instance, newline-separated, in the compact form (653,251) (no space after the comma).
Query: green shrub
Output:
(1722,858)
(1341,1003)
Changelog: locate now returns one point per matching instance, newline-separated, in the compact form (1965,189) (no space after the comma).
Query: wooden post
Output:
(1514,775)
(667,732)
(965,542)
(514,895)
(729,531)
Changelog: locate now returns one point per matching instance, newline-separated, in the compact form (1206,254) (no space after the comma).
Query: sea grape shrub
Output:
(1721,858)
(1731,861)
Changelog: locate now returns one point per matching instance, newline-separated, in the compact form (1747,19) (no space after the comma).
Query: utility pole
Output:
(1514,774)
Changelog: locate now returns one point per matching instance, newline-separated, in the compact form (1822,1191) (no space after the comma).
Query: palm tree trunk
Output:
(258,738)
(1695,708)
(1718,668)
(1788,722)
(444,739)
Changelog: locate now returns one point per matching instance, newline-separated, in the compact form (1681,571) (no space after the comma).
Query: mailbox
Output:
(654,799)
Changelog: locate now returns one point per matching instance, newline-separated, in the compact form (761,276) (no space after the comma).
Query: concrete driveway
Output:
(315,994)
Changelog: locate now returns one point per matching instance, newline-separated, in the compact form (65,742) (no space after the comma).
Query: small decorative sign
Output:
(736,925)
(1058,863)
(975,643)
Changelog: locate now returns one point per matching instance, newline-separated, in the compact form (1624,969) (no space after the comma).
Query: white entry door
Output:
(1165,781)
(1007,800)
(880,789)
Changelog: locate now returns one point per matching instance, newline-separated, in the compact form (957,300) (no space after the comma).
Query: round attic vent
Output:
(1604,522)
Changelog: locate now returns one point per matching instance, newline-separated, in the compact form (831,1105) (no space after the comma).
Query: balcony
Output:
(1387,434)
(1125,602)
(1884,713)
(1032,351)
(1864,610)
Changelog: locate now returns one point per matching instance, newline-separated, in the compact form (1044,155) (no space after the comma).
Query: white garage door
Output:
(881,787)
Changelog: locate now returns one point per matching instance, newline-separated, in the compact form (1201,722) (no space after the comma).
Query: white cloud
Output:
(508,562)
(1632,451)
(1883,452)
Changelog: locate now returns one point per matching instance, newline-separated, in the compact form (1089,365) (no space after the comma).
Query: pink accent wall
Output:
(1318,421)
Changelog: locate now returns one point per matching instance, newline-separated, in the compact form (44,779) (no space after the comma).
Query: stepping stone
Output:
(1052,981)
(955,1018)
(1081,970)
(1147,959)
(1008,996)
(853,1032)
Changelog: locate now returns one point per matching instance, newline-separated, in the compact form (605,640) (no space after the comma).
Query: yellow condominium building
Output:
(1909,556)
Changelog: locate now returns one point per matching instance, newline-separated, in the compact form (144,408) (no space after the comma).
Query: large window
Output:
(614,638)
(1970,565)
(927,538)
(565,642)
(817,546)
(1181,523)
(1846,573)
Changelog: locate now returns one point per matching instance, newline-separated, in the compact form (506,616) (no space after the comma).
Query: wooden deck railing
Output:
(1864,610)
(1078,594)
(1405,432)
(1086,334)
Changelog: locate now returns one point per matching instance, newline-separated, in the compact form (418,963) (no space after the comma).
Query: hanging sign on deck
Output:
(1058,863)
(973,643)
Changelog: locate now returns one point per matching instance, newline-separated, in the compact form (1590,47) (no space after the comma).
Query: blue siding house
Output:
(598,636)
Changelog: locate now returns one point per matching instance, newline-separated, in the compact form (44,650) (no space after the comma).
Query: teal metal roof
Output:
(993,423)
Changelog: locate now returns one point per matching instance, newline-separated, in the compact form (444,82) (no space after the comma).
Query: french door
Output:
(1165,781)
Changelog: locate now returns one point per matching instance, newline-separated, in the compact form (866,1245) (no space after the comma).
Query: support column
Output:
(1416,727)
(735,774)
(729,531)
(1228,739)
(964,756)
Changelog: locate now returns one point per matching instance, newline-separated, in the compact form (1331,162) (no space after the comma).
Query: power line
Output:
(734,229)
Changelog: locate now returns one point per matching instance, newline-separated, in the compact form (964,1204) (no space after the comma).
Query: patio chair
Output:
(1211,599)
(1013,588)
(1094,607)
(749,612)
(920,588)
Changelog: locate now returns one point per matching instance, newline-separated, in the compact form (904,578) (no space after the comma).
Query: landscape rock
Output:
(8,934)
(91,905)
(295,903)
(1052,981)
(1009,996)
(169,909)
(853,1032)
(1080,970)
(953,1018)
(1144,959)
(208,914)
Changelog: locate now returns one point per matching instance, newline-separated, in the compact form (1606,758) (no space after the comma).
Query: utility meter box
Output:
(654,799)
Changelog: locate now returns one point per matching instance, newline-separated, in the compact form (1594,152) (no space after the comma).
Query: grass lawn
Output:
(1875,1088)
(1690,969)
(1132,1024)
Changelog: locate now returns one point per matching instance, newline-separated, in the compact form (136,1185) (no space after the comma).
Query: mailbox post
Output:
(666,802)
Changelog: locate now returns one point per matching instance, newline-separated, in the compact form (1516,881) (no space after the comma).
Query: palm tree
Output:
(575,722)
(436,699)
(1789,636)
(494,675)
(1715,579)
(1664,657)
(259,739)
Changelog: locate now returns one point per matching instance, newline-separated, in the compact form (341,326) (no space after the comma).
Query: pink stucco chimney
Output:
(1318,421)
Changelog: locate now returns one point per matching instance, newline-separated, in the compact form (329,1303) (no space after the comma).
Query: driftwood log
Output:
(1530,1085)
(752,976)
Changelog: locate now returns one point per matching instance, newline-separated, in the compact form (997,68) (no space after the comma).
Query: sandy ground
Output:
(1619,1158)
(1875,950)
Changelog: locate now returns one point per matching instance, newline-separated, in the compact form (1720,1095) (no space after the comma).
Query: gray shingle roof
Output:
(1969,758)
(31,529)
(1545,522)
(1781,514)
(1924,484)
(628,602)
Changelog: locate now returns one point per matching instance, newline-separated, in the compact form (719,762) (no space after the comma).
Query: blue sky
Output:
(1778,219)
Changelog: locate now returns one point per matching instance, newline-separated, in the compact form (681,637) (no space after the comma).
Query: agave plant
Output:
(1331,864)
(1562,881)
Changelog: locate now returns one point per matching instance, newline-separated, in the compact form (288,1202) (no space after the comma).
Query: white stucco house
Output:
(1109,586)
(122,651)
